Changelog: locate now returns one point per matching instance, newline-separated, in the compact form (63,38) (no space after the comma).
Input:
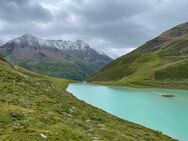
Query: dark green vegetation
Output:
(78,70)
(34,107)
(161,62)
(58,58)
(168,95)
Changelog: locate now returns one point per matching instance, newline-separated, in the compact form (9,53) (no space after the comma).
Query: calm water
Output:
(143,106)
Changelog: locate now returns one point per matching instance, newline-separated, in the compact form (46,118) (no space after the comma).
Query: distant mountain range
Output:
(161,62)
(59,58)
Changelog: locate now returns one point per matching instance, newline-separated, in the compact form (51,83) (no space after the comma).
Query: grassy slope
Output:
(147,66)
(32,104)
(154,73)
(73,71)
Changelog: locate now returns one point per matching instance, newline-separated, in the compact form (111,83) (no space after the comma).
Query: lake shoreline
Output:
(140,85)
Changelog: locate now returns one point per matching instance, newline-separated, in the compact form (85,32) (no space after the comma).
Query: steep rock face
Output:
(161,60)
(59,58)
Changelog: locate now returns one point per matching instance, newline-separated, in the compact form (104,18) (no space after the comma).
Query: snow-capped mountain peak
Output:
(68,45)
(26,39)
(28,35)
(59,58)
(59,44)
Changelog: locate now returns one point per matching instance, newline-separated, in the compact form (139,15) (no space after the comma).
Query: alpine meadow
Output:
(93,70)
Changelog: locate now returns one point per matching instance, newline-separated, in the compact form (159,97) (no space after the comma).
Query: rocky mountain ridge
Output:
(60,58)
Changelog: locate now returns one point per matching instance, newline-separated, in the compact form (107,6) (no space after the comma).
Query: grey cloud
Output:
(23,10)
(122,32)
(107,11)
(113,26)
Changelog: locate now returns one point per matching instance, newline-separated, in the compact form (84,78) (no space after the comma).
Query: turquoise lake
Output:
(143,106)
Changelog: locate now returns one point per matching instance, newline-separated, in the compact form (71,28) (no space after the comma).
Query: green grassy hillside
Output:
(35,107)
(161,62)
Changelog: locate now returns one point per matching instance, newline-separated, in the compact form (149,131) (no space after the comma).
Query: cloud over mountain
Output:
(113,26)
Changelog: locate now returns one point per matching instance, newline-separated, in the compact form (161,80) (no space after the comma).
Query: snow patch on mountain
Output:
(2,43)
(59,44)
(70,59)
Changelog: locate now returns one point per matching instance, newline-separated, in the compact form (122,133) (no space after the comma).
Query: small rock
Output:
(73,107)
(90,130)
(71,110)
(95,139)
(67,114)
(43,136)
(102,129)
(135,135)
(101,125)
(87,121)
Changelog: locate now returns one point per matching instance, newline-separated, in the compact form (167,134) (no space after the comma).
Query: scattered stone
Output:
(135,136)
(26,120)
(90,130)
(25,76)
(16,125)
(53,86)
(15,67)
(73,107)
(21,100)
(38,83)
(71,110)
(87,121)
(102,129)
(32,92)
(100,125)
(43,136)
(67,114)
(95,139)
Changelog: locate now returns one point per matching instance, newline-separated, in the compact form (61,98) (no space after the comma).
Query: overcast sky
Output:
(112,26)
